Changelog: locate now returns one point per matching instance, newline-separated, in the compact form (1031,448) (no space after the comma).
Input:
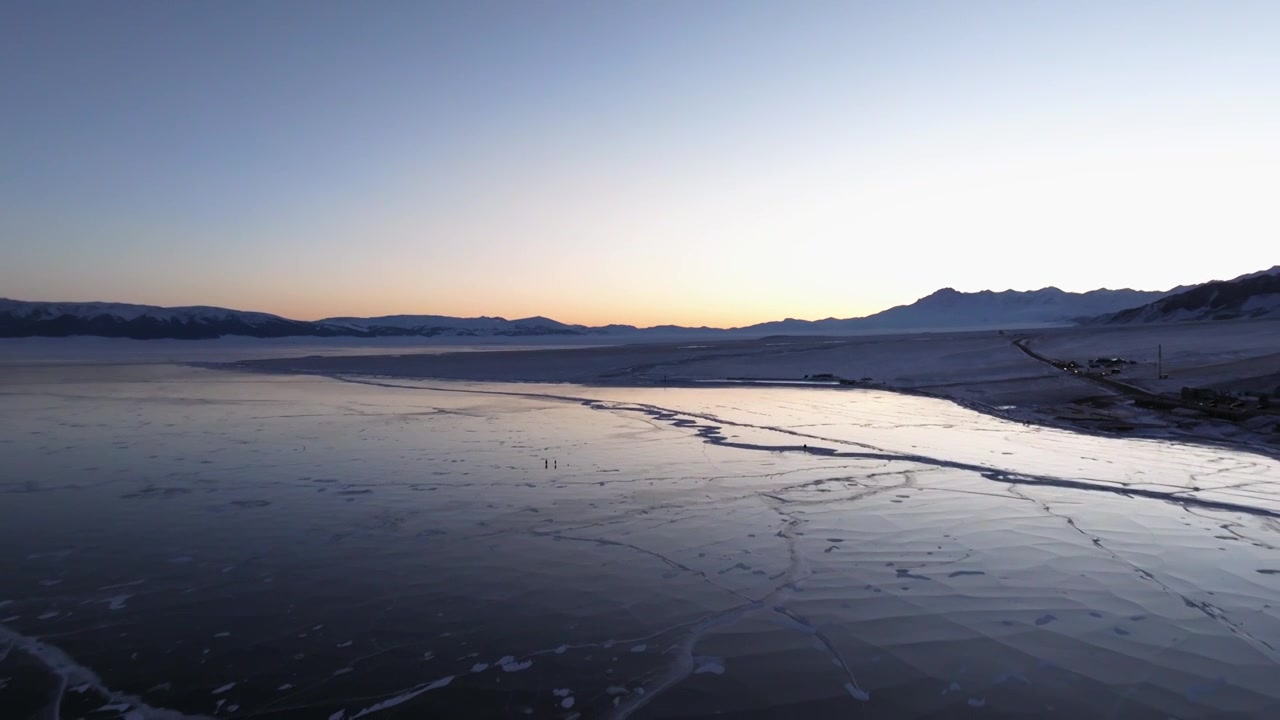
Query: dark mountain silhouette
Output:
(946,309)
(1256,295)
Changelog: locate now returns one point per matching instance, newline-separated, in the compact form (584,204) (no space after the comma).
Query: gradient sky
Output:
(642,162)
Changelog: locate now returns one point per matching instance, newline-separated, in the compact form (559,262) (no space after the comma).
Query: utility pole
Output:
(1160,362)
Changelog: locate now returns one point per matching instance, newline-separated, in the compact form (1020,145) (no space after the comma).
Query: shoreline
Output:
(1039,415)
(1014,376)
(1002,375)
(1256,447)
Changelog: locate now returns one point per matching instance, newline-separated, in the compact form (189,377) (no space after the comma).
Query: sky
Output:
(717,163)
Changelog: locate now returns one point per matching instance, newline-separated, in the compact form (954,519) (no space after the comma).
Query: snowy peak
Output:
(1252,296)
(950,308)
(1273,271)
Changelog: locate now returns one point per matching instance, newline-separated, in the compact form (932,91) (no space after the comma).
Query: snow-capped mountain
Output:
(1256,295)
(951,309)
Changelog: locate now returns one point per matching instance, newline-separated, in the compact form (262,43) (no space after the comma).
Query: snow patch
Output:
(707,664)
(403,698)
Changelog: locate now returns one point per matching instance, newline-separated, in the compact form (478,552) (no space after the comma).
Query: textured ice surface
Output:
(656,551)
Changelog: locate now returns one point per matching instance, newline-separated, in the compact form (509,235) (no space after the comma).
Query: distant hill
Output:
(945,309)
(143,322)
(441,325)
(1256,295)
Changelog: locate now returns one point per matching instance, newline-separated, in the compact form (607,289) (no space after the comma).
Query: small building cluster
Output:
(1226,405)
(1112,363)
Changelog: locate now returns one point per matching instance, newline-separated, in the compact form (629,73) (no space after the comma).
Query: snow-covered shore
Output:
(984,370)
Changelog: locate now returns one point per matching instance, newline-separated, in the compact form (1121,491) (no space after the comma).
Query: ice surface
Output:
(89,691)
(100,351)
(798,542)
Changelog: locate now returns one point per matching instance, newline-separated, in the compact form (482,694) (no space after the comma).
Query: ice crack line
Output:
(69,671)
(711,433)
(663,558)
(1209,610)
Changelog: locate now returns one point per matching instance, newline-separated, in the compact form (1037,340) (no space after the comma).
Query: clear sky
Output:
(692,162)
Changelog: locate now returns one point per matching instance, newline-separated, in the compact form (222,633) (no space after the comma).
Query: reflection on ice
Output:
(248,545)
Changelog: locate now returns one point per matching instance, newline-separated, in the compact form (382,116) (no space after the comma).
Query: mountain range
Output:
(1255,295)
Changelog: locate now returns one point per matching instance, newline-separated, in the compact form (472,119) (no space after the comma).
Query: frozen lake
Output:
(180,541)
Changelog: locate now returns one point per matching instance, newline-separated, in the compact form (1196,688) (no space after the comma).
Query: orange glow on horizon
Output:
(589,318)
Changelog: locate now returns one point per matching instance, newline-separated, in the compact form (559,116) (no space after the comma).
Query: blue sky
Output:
(689,162)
